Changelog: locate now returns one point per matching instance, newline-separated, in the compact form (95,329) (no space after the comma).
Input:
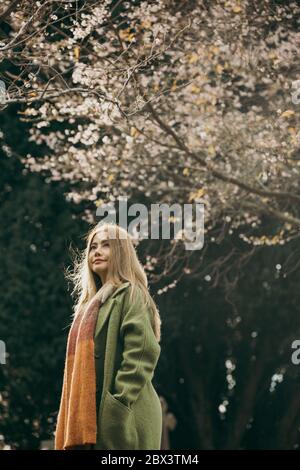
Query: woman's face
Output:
(99,254)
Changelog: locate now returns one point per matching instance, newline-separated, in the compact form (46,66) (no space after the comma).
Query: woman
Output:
(108,400)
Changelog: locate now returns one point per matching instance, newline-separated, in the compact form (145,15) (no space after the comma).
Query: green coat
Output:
(126,354)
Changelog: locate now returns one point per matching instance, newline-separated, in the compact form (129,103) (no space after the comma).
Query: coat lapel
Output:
(107,307)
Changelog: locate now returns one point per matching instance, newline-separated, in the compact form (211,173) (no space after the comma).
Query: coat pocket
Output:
(117,425)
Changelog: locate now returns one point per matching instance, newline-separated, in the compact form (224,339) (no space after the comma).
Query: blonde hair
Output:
(123,266)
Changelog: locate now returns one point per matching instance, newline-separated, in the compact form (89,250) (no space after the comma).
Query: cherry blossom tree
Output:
(182,102)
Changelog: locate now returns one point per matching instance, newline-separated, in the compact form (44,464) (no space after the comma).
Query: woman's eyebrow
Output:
(102,241)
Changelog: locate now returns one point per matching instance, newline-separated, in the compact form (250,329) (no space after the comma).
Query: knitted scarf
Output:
(77,417)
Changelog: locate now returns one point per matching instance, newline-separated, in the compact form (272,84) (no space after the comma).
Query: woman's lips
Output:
(99,261)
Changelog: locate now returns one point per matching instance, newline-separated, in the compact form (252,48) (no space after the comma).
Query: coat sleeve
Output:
(140,353)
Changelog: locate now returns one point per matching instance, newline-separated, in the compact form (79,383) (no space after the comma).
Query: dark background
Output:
(252,327)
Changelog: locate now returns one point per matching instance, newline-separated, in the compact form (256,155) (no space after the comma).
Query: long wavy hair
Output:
(123,266)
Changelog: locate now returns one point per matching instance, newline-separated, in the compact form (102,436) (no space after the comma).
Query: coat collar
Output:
(120,288)
(107,307)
